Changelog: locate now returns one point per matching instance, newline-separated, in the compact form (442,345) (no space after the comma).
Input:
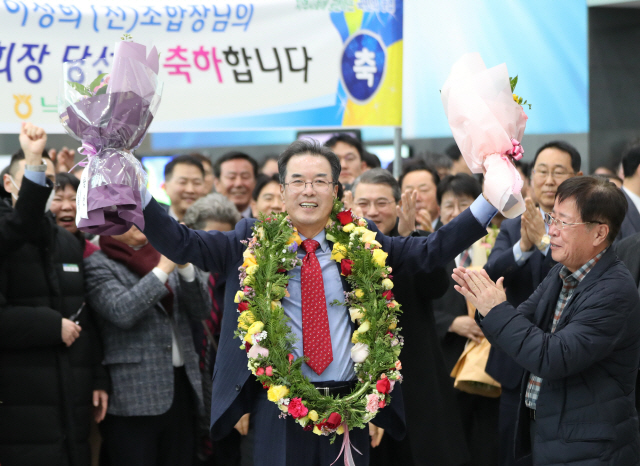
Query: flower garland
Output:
(269,342)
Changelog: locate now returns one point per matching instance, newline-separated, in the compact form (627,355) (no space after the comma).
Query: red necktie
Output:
(315,321)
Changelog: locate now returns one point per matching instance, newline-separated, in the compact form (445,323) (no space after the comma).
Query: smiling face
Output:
(350,161)
(269,200)
(63,206)
(377,204)
(236,182)
(575,245)
(185,187)
(422,181)
(309,210)
(544,183)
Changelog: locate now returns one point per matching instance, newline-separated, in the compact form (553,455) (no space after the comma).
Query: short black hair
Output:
(182,159)
(311,147)
(234,155)
(453,152)
(417,165)
(379,176)
(202,158)
(631,160)
(461,184)
(437,160)
(597,199)
(343,137)
(261,182)
(371,160)
(564,147)
(64,179)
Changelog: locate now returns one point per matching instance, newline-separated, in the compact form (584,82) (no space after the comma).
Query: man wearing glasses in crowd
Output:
(577,337)
(522,256)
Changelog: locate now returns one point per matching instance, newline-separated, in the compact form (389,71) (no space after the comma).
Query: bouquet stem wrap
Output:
(110,125)
(487,125)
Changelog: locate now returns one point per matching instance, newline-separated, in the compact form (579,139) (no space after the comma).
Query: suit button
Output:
(168,348)
(238,388)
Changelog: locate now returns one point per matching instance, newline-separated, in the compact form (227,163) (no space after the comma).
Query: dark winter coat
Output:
(586,408)
(45,387)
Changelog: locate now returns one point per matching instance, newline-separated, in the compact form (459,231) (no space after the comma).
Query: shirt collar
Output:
(320,238)
(582,272)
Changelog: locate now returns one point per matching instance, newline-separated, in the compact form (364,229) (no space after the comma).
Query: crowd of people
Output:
(119,350)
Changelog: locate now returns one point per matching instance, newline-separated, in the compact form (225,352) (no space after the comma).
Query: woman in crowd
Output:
(63,207)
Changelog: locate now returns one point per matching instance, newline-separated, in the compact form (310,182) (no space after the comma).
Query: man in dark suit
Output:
(631,190)
(577,336)
(308,174)
(522,256)
(434,433)
(479,414)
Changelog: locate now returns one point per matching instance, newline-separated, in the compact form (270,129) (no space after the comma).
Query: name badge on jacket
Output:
(70,267)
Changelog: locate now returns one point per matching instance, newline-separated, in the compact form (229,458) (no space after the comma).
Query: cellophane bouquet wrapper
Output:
(110,125)
(485,121)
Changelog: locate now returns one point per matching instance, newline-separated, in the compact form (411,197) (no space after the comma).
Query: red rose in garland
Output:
(388,295)
(243,306)
(345,267)
(345,217)
(297,409)
(383,386)
(333,422)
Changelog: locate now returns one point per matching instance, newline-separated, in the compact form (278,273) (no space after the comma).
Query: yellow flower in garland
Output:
(239,297)
(313,415)
(355,337)
(359,293)
(245,319)
(338,252)
(276,392)
(386,283)
(295,238)
(368,236)
(364,326)
(316,430)
(255,327)
(348,228)
(379,257)
(249,261)
(252,269)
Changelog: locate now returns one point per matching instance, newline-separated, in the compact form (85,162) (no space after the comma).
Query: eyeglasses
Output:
(380,204)
(559,224)
(319,186)
(555,174)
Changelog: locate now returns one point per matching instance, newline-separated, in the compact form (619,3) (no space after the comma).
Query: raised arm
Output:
(212,251)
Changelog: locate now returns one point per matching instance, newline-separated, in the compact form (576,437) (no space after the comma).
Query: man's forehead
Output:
(185,169)
(373,191)
(236,166)
(418,177)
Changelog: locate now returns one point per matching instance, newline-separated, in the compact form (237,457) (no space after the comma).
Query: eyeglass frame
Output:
(564,224)
(551,172)
(329,183)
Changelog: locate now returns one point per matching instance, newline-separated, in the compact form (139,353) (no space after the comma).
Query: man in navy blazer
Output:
(577,336)
(631,190)
(522,256)
(234,393)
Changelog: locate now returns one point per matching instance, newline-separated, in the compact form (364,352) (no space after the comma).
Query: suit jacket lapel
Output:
(633,215)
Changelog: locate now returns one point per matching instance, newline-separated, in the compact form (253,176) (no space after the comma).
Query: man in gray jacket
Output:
(143,306)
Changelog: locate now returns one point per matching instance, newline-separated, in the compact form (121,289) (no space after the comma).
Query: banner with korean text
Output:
(226,65)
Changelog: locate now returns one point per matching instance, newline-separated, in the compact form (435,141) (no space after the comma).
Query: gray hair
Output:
(379,176)
(213,207)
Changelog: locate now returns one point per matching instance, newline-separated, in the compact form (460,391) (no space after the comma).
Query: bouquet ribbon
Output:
(346,448)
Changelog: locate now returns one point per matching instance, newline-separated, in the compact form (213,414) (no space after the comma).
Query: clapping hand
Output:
(63,159)
(479,289)
(407,213)
(532,227)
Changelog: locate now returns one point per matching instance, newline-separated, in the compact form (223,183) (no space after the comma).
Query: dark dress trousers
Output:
(585,412)
(233,392)
(520,282)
